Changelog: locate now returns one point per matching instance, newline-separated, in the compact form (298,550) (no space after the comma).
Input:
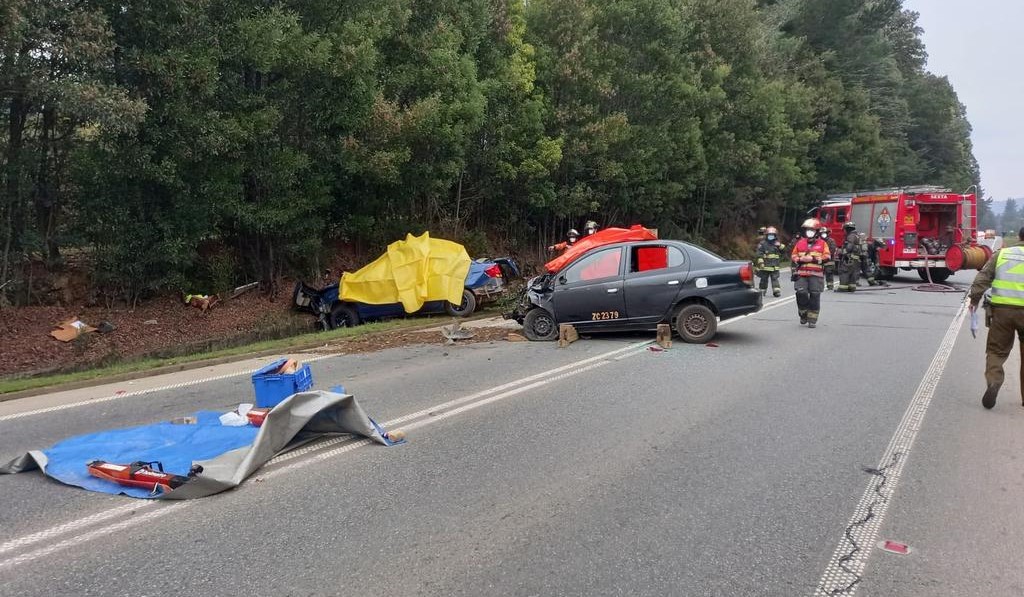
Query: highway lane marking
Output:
(845,569)
(75,525)
(83,538)
(175,386)
(419,419)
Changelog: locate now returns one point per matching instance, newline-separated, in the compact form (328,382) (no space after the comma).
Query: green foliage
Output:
(143,132)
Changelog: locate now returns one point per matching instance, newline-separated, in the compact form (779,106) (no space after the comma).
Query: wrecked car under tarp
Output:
(411,272)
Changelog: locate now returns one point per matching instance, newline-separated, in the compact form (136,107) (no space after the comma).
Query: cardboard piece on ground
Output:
(72,328)
(567,335)
(514,337)
(664,338)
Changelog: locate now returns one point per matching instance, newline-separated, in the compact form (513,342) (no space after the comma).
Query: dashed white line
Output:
(844,570)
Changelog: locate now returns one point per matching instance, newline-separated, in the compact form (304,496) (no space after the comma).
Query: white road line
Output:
(429,416)
(554,374)
(79,539)
(174,386)
(74,525)
(842,576)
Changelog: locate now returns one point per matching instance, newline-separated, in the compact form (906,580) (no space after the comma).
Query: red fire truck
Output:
(923,228)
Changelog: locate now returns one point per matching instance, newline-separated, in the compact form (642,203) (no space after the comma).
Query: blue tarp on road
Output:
(227,455)
(175,446)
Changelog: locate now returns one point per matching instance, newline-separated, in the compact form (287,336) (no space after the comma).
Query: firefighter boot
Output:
(812,319)
(803,317)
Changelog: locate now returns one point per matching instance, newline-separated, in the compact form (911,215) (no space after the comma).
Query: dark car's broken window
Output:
(601,264)
(645,258)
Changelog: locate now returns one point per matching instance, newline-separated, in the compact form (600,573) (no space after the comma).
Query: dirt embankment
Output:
(160,327)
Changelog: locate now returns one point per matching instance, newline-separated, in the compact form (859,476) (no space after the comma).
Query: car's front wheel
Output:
(463,309)
(539,325)
(696,324)
(343,316)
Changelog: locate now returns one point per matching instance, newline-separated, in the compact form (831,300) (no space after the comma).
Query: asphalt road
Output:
(604,468)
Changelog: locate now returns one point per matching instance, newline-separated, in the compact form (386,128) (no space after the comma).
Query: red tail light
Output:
(747,274)
(494,271)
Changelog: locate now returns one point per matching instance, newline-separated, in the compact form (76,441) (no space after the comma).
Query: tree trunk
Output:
(46,199)
(15,139)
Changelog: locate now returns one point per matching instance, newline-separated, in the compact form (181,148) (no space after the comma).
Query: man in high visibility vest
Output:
(1004,274)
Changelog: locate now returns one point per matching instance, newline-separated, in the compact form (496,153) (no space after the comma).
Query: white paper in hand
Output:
(974,323)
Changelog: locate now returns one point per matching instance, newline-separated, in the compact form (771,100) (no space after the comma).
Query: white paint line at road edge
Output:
(846,567)
(430,415)
(184,384)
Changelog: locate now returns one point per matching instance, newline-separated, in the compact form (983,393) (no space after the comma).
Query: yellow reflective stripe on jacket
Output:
(1008,285)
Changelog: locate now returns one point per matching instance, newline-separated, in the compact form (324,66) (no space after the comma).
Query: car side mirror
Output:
(562,280)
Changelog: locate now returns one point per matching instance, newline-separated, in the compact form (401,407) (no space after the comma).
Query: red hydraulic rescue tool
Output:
(140,474)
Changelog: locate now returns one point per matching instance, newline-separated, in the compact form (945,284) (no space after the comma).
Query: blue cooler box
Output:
(272,387)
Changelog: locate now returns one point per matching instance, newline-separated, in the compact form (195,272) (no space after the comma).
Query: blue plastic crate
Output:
(272,387)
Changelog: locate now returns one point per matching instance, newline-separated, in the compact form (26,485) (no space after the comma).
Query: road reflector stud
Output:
(894,547)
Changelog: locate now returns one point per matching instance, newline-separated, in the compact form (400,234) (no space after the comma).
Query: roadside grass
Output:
(235,348)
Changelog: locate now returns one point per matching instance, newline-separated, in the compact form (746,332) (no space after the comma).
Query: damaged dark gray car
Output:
(634,286)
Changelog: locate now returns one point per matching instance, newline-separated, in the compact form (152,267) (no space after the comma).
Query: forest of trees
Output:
(192,143)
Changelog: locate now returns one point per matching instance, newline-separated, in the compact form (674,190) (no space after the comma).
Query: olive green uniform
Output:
(1005,320)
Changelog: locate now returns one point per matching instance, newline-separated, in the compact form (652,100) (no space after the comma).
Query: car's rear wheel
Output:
(540,326)
(696,324)
(463,309)
(343,316)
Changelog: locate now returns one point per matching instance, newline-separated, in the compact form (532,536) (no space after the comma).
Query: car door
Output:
(655,274)
(588,293)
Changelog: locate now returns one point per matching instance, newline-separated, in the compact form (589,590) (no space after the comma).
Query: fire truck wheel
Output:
(939,274)
(696,324)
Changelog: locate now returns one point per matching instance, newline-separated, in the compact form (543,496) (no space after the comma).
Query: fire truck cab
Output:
(926,228)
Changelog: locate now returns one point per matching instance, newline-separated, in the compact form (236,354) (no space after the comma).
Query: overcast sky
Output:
(979,45)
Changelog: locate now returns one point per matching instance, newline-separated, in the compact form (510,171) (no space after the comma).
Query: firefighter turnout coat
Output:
(817,250)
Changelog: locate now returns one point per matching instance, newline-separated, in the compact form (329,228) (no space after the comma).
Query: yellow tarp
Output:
(412,272)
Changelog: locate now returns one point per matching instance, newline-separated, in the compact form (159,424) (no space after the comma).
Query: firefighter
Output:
(1006,313)
(570,239)
(589,228)
(830,265)
(769,259)
(851,258)
(872,270)
(809,256)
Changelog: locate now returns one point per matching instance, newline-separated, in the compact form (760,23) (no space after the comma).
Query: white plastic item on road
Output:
(233,419)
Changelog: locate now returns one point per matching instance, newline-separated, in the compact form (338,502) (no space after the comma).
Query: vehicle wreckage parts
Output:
(696,323)
(539,325)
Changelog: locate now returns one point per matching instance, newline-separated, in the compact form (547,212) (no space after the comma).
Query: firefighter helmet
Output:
(849,226)
(572,235)
(590,227)
(811,223)
(770,230)
(762,231)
